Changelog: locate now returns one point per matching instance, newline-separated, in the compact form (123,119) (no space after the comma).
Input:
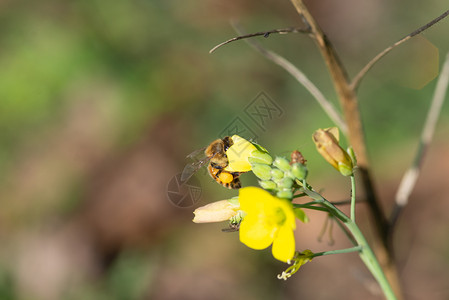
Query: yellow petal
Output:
(287,208)
(238,155)
(284,244)
(268,220)
(255,199)
(256,233)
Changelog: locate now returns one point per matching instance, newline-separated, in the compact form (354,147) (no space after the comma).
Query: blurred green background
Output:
(100,102)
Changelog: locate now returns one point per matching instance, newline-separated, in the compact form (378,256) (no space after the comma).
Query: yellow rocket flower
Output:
(269,220)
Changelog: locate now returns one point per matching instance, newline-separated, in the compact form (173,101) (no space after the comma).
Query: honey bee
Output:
(215,155)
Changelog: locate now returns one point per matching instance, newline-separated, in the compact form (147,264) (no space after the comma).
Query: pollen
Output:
(226,177)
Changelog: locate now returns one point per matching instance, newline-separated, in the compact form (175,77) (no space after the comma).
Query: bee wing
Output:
(190,169)
(196,152)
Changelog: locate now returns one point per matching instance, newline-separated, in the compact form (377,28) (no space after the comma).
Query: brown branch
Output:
(263,33)
(349,103)
(356,81)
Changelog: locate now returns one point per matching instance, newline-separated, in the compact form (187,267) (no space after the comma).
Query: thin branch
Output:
(302,79)
(356,81)
(411,176)
(265,34)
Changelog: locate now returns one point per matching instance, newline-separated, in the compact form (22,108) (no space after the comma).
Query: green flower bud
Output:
(285,183)
(276,174)
(282,163)
(268,184)
(259,157)
(262,171)
(289,174)
(286,194)
(299,171)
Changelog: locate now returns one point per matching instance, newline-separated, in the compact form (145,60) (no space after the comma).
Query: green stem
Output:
(340,251)
(366,253)
(352,198)
(320,208)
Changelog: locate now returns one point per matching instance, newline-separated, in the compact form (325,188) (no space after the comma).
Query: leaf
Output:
(301,215)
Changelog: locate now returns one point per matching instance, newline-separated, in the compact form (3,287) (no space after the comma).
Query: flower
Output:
(217,211)
(240,153)
(269,220)
(326,141)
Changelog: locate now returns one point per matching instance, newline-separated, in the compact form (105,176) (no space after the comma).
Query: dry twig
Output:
(262,33)
(411,176)
(356,81)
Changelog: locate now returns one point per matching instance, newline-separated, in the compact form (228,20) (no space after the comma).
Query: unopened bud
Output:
(277,174)
(268,184)
(262,171)
(285,183)
(299,171)
(286,194)
(216,212)
(326,141)
(282,163)
(260,157)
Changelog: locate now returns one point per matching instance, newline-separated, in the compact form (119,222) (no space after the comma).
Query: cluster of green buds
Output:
(280,176)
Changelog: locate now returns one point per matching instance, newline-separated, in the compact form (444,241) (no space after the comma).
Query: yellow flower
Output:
(216,212)
(269,220)
(326,141)
(240,153)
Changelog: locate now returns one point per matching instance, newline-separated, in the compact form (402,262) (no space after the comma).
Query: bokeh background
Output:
(100,102)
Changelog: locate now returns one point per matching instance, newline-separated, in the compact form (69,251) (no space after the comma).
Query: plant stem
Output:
(339,251)
(352,198)
(366,253)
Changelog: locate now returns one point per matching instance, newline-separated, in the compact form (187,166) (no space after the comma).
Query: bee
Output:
(215,155)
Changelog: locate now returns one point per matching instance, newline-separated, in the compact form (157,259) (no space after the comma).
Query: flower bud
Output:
(299,171)
(326,141)
(285,194)
(268,184)
(285,183)
(276,174)
(262,171)
(260,157)
(216,212)
(282,163)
